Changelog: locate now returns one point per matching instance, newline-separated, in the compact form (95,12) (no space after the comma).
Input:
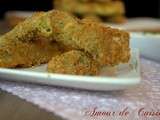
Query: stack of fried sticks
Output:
(70,45)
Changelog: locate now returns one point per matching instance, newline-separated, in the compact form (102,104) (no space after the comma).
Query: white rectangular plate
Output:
(121,77)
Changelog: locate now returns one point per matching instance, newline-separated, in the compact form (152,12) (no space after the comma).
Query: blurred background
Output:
(134,8)
(131,15)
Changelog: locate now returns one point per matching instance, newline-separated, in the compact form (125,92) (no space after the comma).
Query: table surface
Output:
(14,108)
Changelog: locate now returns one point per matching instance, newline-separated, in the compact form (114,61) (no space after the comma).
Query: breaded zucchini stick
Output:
(107,46)
(37,26)
(26,54)
(29,43)
(73,62)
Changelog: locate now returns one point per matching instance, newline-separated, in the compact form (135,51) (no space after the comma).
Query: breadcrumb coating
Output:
(106,45)
(29,43)
(73,62)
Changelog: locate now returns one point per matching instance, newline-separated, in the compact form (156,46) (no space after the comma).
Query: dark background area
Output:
(134,8)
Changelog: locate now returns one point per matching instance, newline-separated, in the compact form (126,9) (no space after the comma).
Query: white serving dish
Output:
(121,77)
(148,44)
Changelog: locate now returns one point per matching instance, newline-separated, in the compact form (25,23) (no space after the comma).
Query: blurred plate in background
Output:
(148,44)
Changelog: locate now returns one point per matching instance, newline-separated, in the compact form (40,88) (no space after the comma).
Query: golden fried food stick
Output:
(73,62)
(107,46)
(37,26)
(26,54)
(28,44)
